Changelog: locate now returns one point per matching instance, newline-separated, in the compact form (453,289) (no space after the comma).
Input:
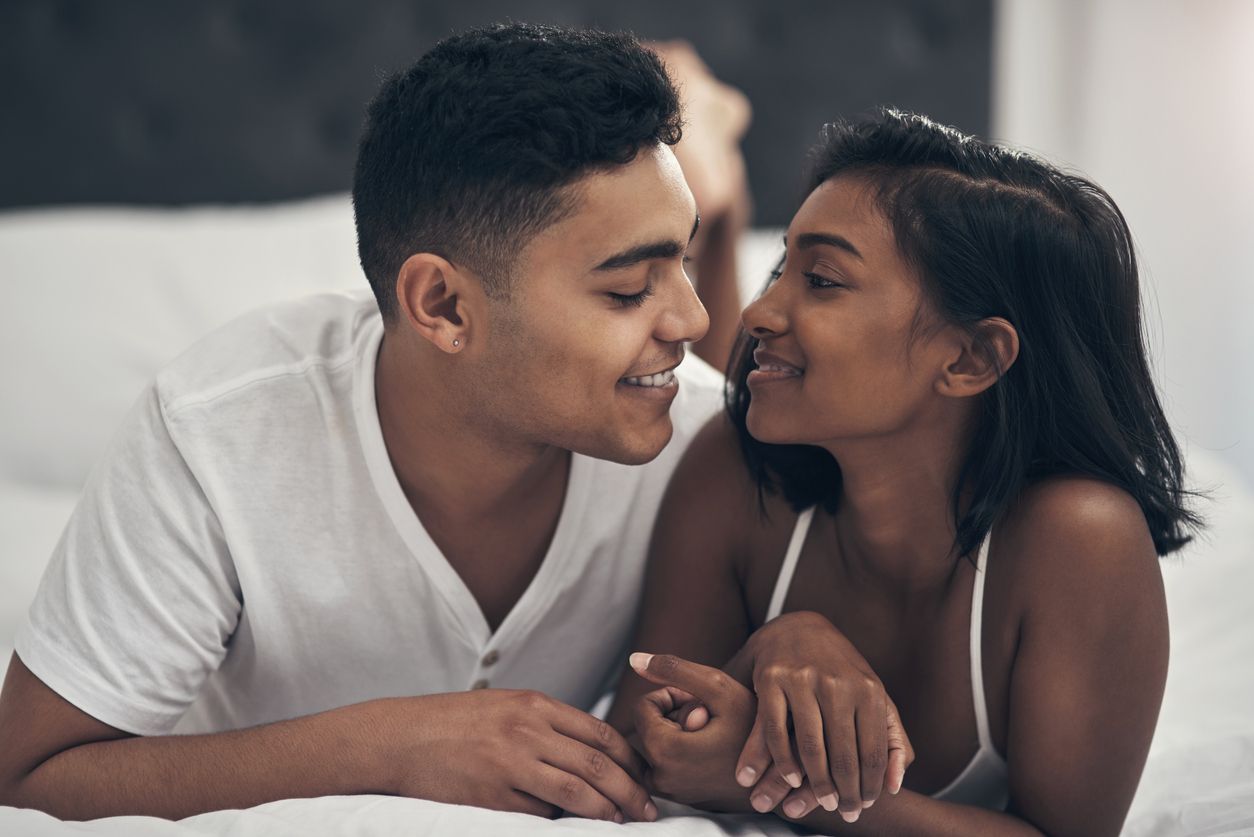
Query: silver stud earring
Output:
(456,342)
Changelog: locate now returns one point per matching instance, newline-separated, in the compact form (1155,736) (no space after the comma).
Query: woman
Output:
(945,464)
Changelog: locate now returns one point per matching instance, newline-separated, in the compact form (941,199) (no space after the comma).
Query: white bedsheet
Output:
(361,816)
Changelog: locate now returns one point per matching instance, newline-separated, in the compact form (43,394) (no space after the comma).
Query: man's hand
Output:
(845,728)
(513,751)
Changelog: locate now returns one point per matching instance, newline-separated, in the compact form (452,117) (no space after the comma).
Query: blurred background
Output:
(159,104)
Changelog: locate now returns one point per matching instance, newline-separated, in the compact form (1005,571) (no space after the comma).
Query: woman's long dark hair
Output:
(996,233)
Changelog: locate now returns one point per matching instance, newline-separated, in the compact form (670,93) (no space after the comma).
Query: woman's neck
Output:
(895,522)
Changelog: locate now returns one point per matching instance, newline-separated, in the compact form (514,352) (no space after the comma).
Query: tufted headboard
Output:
(150,102)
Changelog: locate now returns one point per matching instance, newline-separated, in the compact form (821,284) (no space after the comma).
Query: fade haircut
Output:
(468,153)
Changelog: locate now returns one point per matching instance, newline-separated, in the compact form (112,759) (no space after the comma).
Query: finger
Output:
(842,758)
(755,757)
(800,802)
(596,733)
(568,792)
(900,750)
(807,725)
(778,738)
(695,717)
(709,685)
(653,726)
(871,722)
(603,775)
(769,792)
(525,803)
(683,708)
(669,701)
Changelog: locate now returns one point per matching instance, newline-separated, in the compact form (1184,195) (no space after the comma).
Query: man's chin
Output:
(633,448)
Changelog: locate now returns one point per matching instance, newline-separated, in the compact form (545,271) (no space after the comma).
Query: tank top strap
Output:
(977,655)
(790,563)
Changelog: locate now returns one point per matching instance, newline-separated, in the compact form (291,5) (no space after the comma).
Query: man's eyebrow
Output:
(814,239)
(647,252)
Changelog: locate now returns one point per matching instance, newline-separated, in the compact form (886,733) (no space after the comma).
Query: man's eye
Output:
(636,300)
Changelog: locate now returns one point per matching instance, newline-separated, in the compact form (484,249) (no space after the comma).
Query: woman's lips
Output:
(772,367)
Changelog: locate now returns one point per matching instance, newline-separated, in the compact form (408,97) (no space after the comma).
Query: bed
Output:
(97,299)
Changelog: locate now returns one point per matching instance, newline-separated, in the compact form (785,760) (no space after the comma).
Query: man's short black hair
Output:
(467,153)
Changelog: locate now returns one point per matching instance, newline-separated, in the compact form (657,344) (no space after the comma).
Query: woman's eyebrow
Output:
(813,239)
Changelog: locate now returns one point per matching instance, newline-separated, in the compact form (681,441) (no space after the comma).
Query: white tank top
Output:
(984,781)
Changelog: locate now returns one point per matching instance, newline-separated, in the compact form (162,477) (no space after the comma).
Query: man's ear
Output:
(434,296)
(982,355)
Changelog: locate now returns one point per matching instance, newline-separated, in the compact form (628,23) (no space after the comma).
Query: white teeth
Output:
(659,379)
(775,367)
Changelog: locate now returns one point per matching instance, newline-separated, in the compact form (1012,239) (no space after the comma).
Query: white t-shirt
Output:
(244,552)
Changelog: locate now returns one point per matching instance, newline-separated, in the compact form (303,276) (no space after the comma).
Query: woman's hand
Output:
(693,767)
(845,729)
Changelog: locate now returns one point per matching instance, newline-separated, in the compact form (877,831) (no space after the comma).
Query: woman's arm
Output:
(1087,678)
(693,606)
(695,609)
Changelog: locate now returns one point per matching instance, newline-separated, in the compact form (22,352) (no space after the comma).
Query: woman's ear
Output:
(434,297)
(983,355)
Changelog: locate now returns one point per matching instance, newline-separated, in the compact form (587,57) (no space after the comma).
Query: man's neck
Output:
(448,462)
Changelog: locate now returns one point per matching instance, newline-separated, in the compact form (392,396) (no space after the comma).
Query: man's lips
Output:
(659,376)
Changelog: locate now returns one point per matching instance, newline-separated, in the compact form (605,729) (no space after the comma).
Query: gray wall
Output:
(145,101)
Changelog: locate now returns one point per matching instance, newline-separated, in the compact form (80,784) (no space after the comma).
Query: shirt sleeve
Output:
(140,597)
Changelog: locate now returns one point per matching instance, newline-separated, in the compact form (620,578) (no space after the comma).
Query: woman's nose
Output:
(764,317)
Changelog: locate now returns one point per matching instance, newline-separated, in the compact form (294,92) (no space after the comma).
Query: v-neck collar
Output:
(543,587)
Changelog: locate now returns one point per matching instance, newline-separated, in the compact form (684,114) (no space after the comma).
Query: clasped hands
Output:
(712,743)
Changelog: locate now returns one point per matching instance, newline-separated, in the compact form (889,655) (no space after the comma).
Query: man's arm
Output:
(518,751)
(61,760)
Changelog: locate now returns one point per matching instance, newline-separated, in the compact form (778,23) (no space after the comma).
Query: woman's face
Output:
(847,348)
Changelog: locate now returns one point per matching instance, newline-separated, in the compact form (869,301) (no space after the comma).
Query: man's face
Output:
(600,302)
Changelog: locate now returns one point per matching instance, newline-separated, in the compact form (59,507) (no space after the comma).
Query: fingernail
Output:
(795,808)
(793,779)
(829,802)
(746,776)
(650,810)
(867,804)
(850,816)
(639,661)
(761,803)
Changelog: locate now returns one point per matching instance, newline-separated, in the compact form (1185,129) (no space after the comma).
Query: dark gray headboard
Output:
(177,101)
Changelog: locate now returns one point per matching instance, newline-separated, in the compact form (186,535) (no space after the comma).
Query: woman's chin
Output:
(763,429)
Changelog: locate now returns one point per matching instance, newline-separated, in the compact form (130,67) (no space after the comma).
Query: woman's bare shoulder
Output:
(714,489)
(1073,538)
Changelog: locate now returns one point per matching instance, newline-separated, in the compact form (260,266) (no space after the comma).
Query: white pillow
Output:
(96,300)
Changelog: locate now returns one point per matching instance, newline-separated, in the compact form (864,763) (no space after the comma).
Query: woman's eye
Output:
(821,282)
(636,300)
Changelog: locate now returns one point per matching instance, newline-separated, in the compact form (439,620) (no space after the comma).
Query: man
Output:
(395,545)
